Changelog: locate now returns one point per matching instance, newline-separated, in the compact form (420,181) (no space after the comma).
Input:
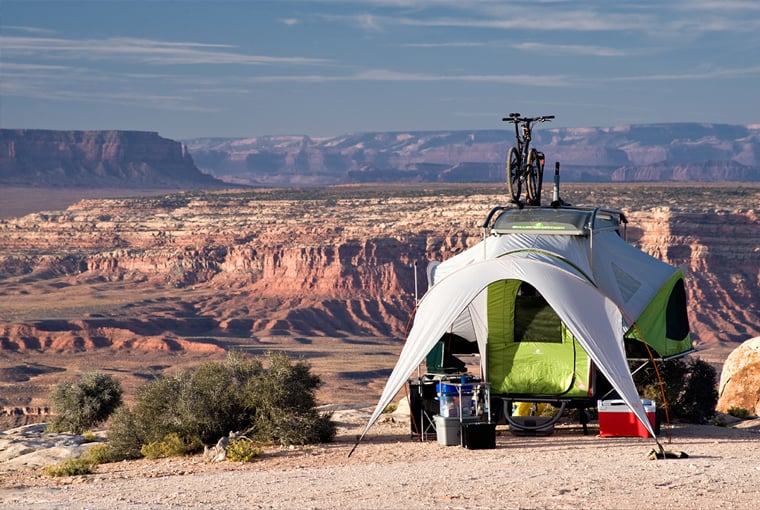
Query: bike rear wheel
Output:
(534,167)
(514,171)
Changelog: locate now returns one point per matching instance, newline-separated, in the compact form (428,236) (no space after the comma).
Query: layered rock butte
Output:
(93,159)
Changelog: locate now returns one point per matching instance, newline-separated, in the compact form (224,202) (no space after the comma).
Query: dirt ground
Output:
(391,469)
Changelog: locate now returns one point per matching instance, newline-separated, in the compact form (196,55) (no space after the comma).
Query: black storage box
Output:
(479,436)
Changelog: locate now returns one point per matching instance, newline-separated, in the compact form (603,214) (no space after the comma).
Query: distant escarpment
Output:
(327,262)
(655,152)
(92,159)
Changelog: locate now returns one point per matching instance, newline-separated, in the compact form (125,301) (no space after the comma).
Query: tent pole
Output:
(415,284)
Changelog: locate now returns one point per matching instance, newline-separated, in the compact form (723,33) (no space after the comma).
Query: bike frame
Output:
(523,143)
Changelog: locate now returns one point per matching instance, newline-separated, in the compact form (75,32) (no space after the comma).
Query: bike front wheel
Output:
(514,171)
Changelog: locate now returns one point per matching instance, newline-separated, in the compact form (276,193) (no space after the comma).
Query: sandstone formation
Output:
(151,272)
(739,385)
(91,159)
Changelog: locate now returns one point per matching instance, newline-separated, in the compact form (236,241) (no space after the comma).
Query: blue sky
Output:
(326,67)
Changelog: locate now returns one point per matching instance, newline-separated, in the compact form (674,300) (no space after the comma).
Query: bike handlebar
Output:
(515,117)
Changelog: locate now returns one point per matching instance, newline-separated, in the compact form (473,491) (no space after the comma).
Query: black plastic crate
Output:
(479,436)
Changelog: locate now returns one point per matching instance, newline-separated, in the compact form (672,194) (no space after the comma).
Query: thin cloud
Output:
(576,21)
(444,45)
(28,30)
(16,67)
(569,49)
(385,75)
(145,100)
(719,5)
(144,51)
(564,16)
(694,75)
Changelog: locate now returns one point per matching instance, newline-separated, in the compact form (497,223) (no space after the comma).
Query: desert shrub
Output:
(738,412)
(172,445)
(85,403)
(673,375)
(198,407)
(689,387)
(89,436)
(718,421)
(125,435)
(99,454)
(71,467)
(696,404)
(390,408)
(284,399)
(276,404)
(242,450)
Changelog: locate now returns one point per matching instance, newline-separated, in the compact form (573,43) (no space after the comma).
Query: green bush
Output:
(89,436)
(242,450)
(85,403)
(284,399)
(172,445)
(71,467)
(738,412)
(690,387)
(272,405)
(125,435)
(99,454)
(697,401)
(390,408)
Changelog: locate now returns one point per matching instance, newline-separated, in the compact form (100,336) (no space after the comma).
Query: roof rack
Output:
(566,220)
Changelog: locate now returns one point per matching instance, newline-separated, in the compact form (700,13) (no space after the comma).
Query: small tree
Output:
(85,403)
(697,401)
(690,388)
(284,399)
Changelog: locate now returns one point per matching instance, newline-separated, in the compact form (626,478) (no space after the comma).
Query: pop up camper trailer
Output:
(552,297)
(530,352)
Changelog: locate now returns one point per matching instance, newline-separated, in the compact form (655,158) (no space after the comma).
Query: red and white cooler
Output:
(617,420)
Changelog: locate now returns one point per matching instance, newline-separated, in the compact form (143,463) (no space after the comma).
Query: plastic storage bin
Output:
(454,398)
(448,431)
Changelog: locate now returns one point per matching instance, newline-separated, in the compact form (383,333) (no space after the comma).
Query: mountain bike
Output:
(524,164)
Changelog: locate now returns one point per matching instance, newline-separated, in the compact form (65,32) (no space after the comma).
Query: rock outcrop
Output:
(739,385)
(92,159)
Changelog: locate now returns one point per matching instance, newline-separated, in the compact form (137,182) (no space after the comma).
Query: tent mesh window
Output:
(535,320)
(676,319)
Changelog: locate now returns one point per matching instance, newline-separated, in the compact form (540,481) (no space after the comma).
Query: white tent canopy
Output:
(459,295)
(611,264)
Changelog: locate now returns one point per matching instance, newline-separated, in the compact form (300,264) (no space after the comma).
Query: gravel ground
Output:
(392,470)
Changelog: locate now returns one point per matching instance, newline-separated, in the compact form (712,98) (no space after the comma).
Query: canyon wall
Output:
(321,262)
